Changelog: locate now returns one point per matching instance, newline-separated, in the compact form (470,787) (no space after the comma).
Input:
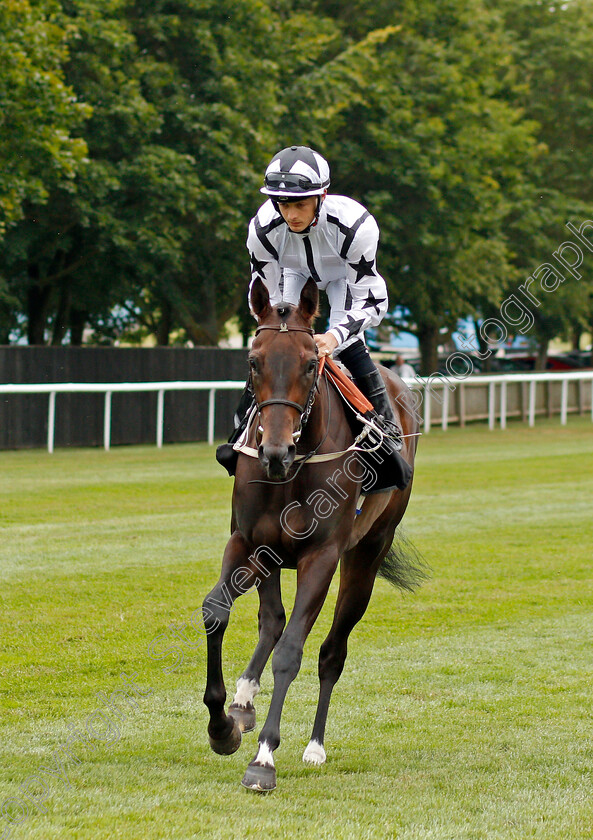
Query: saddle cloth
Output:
(384,470)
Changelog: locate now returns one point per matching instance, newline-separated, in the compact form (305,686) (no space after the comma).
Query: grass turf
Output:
(464,711)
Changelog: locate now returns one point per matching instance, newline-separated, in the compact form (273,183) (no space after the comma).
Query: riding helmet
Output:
(296,172)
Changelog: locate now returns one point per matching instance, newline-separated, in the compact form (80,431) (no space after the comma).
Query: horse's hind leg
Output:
(236,577)
(357,577)
(271,621)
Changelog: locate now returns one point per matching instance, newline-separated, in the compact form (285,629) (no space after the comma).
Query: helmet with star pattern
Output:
(294,173)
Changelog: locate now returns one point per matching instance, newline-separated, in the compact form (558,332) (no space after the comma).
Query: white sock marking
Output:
(314,753)
(265,756)
(246,691)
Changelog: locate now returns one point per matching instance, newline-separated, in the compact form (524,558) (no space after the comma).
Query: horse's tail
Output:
(403,565)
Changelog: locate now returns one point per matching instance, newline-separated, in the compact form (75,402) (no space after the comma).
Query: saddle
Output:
(383,473)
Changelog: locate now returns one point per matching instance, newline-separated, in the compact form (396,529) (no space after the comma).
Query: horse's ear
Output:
(259,299)
(309,302)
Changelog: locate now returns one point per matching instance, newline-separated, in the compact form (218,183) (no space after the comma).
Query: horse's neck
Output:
(327,422)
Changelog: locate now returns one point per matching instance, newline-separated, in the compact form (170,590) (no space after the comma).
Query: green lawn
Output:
(464,711)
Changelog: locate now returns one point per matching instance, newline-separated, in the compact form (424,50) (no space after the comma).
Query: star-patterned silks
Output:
(363,268)
(257,266)
(339,253)
(372,302)
(352,325)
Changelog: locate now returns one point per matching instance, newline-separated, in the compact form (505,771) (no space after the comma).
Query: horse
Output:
(294,506)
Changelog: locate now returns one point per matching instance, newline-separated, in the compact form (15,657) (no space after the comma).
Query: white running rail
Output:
(109,388)
(433,388)
(438,388)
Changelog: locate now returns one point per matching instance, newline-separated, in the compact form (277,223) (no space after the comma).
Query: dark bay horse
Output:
(291,512)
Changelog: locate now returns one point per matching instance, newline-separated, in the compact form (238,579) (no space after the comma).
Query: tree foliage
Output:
(39,114)
(38,111)
(553,54)
(439,154)
(135,136)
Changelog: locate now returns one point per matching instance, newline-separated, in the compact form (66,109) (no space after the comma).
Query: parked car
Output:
(454,364)
(581,358)
(559,362)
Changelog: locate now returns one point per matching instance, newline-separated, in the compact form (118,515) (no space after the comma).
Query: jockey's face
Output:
(298,215)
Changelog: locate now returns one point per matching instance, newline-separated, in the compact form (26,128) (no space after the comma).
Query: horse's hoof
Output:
(259,778)
(228,745)
(244,716)
(314,754)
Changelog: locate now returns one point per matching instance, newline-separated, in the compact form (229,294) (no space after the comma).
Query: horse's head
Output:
(283,363)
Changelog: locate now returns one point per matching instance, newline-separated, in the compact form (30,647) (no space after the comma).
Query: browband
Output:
(283,327)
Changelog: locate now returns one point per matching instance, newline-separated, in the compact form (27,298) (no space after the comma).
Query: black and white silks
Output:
(339,253)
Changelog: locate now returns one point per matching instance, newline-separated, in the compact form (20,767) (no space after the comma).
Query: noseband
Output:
(305,410)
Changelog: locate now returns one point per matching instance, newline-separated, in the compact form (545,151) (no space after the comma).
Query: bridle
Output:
(303,410)
(311,457)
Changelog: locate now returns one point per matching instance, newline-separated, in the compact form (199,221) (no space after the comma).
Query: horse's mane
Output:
(286,313)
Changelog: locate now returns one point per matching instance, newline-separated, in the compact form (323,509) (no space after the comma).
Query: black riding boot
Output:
(399,471)
(373,387)
(225,454)
(368,379)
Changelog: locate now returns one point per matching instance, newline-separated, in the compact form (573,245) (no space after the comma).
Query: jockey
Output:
(302,232)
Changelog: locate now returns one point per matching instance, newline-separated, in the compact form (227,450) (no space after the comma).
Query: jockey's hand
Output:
(326,343)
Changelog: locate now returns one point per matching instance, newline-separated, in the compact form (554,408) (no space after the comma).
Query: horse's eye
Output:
(312,366)
(253,365)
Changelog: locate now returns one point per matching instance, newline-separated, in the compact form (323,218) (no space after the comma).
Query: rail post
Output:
(160,417)
(491,405)
(51,422)
(211,410)
(107,422)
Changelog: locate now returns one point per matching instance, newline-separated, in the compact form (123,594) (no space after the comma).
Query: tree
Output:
(553,54)
(47,255)
(428,112)
(209,79)
(437,153)
(39,115)
(184,102)
(38,111)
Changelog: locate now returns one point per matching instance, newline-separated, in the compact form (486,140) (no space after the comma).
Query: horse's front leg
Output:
(236,577)
(314,574)
(271,621)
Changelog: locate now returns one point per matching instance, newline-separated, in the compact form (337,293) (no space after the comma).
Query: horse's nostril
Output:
(264,460)
(276,460)
(289,457)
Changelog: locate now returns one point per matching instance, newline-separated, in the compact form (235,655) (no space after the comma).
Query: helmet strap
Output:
(276,205)
(317,212)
